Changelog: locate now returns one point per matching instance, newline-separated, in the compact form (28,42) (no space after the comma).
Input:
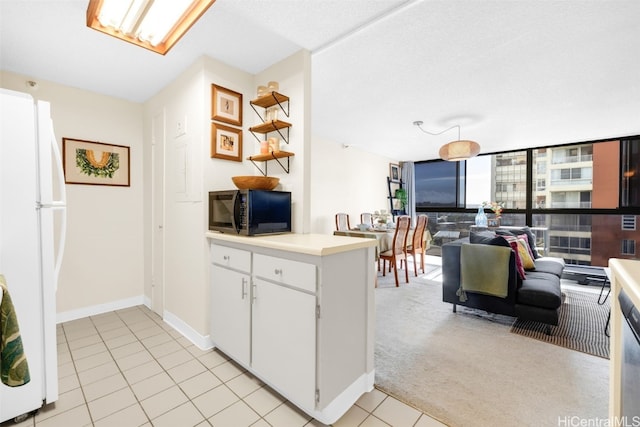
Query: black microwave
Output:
(250,212)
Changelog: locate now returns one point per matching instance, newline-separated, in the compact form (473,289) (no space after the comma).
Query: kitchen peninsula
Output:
(298,312)
(624,380)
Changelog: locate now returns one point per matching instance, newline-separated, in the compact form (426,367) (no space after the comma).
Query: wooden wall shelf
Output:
(271,156)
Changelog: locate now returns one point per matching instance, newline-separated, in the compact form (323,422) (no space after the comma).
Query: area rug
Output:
(467,370)
(580,327)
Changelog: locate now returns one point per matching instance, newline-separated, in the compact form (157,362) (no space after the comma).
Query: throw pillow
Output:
(487,238)
(513,242)
(526,239)
(524,230)
(525,254)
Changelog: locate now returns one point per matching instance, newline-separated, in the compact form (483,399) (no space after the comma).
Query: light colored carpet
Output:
(580,326)
(468,370)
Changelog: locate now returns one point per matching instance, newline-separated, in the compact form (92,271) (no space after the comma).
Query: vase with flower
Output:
(496,207)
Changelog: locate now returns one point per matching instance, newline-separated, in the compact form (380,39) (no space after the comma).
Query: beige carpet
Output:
(469,370)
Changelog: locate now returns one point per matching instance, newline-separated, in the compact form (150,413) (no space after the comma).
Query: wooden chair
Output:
(342,222)
(366,218)
(398,251)
(418,244)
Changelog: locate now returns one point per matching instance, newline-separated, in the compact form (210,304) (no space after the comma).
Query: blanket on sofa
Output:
(484,269)
(14,370)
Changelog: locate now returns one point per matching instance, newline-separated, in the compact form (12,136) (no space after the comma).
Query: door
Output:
(284,340)
(231,312)
(157,213)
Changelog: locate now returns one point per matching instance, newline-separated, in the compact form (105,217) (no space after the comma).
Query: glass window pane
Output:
(583,176)
(584,239)
(436,184)
(479,174)
(630,176)
(510,178)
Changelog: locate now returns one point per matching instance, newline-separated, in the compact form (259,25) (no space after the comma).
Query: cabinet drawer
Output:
(231,257)
(293,273)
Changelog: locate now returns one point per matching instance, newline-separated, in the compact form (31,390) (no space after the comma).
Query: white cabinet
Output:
(301,318)
(230,301)
(284,339)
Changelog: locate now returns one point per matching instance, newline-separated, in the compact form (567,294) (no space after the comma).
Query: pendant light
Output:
(454,151)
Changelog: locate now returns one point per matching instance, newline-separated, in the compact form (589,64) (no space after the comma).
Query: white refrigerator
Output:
(30,252)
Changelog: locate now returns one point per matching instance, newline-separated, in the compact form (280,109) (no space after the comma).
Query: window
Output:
(574,196)
(630,173)
(628,247)
(541,184)
(579,177)
(439,184)
(629,222)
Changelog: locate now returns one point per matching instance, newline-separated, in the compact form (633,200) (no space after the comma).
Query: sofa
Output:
(484,271)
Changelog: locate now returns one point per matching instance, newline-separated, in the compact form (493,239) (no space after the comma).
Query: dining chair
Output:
(398,251)
(342,222)
(366,218)
(418,244)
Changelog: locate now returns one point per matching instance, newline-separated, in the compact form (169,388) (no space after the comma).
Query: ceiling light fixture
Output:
(454,151)
(153,24)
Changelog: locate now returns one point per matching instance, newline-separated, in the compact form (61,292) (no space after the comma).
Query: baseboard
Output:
(203,342)
(94,310)
(345,400)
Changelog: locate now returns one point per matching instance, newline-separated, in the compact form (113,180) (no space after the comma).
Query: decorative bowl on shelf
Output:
(251,182)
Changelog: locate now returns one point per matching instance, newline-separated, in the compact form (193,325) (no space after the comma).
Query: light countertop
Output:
(628,277)
(625,275)
(311,244)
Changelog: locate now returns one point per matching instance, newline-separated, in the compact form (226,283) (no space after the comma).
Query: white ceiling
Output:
(511,73)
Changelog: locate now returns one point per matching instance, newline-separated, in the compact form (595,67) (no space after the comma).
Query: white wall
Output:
(188,100)
(294,77)
(345,179)
(104,250)
(109,250)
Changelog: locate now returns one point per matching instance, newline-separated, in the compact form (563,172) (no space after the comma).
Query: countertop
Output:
(311,244)
(625,274)
(628,274)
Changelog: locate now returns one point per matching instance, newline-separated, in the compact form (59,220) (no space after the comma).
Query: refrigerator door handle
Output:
(59,205)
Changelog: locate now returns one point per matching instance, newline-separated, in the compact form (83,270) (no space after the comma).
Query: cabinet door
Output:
(284,340)
(230,312)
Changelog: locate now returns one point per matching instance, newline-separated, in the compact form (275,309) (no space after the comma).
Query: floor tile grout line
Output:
(75,368)
(164,370)
(192,357)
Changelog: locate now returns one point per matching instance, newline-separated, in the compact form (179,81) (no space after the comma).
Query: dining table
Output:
(384,238)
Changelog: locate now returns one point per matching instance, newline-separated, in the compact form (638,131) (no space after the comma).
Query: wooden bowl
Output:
(255,182)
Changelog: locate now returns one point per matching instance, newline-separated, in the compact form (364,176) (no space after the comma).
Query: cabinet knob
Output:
(225,257)
(278,271)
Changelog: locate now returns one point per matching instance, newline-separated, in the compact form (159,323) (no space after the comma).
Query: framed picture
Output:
(394,172)
(226,105)
(226,142)
(95,163)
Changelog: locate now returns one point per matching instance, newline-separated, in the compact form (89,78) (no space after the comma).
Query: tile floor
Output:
(129,368)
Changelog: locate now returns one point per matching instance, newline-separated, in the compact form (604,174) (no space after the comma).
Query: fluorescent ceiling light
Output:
(153,24)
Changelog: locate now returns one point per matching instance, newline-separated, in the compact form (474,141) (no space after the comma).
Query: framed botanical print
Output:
(95,163)
(226,105)
(226,142)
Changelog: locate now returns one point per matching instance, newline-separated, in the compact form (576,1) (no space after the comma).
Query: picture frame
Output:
(226,142)
(394,172)
(493,222)
(226,105)
(95,163)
